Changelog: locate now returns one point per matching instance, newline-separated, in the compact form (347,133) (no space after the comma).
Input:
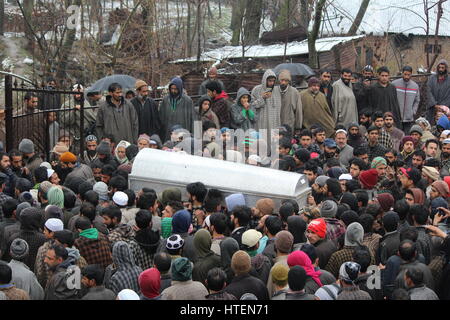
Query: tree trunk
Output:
(359,17)
(252,24)
(312,36)
(237,16)
(188,31)
(304,14)
(28,10)
(2,17)
(198,24)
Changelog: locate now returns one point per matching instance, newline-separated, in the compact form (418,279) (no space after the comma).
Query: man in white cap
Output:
(250,243)
(127,294)
(40,269)
(345,150)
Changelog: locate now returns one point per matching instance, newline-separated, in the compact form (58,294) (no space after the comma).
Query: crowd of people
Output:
(375,226)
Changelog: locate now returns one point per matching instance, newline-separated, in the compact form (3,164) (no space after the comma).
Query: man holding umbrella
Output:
(117,116)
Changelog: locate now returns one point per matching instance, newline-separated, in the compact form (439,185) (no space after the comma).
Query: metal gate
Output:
(45,116)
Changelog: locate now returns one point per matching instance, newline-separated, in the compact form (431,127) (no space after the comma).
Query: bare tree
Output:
(359,17)
(313,35)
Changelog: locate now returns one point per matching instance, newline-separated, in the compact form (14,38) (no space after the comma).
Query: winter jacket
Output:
(424,244)
(324,249)
(345,155)
(384,99)
(299,296)
(208,115)
(148,116)
(176,110)
(428,279)
(422,293)
(267,110)
(127,272)
(345,110)
(70,119)
(144,247)
(99,293)
(82,171)
(120,122)
(316,111)
(57,286)
(388,247)
(29,231)
(23,278)
(291,107)
(245,283)
(207,259)
(222,110)
(408,95)
(361,95)
(241,118)
(94,247)
(31,126)
(185,290)
(325,277)
(328,95)
(122,232)
(261,266)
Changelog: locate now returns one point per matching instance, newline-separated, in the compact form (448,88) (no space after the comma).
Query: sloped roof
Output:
(405,16)
(275,50)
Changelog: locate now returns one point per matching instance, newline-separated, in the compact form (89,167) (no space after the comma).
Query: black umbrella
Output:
(127,82)
(296,69)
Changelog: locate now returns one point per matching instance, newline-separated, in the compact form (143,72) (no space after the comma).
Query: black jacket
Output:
(388,247)
(148,115)
(246,283)
(324,249)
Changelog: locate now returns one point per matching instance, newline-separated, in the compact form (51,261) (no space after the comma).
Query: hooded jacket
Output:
(241,118)
(207,259)
(127,272)
(120,122)
(29,231)
(207,115)
(438,92)
(267,110)
(228,247)
(176,110)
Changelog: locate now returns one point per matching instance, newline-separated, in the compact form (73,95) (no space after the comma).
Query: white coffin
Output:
(160,170)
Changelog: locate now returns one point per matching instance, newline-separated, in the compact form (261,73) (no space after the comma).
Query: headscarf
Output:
(228,247)
(124,144)
(202,242)
(55,196)
(419,196)
(441,187)
(150,283)
(297,226)
(300,258)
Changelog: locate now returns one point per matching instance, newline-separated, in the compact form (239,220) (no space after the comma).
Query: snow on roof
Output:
(406,16)
(275,50)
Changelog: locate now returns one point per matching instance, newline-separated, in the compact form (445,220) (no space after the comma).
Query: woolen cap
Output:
(19,249)
(321,180)
(140,83)
(329,209)
(416,128)
(431,173)
(68,157)
(181,269)
(280,272)
(319,227)
(266,206)
(26,146)
(120,198)
(369,178)
(284,241)
(442,188)
(241,262)
(251,237)
(60,148)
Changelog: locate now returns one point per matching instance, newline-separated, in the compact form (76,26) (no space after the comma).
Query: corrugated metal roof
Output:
(406,16)
(276,50)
